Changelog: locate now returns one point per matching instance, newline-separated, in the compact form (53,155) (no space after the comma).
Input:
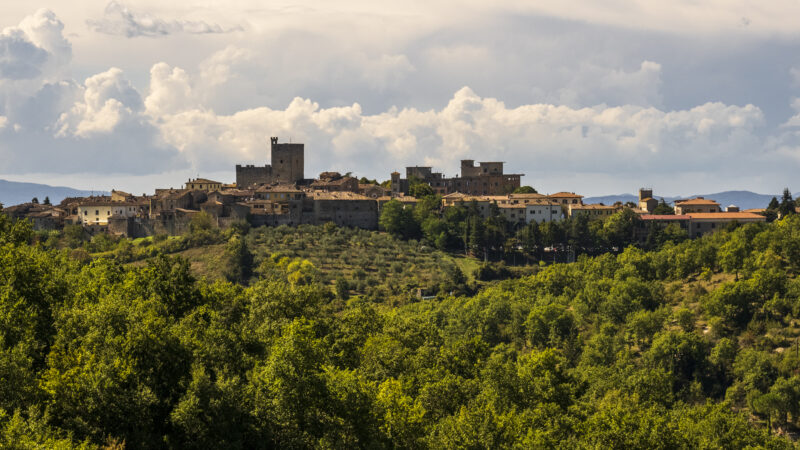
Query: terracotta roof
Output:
(664,217)
(594,206)
(316,195)
(90,203)
(467,198)
(755,210)
(454,195)
(726,216)
(565,194)
(541,201)
(203,181)
(236,192)
(335,182)
(279,188)
(531,195)
(696,201)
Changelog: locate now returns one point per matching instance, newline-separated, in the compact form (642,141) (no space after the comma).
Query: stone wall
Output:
(249,175)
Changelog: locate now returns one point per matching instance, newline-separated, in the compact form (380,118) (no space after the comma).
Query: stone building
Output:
(487,178)
(335,182)
(97,212)
(566,198)
(346,209)
(203,184)
(696,205)
(373,190)
(41,216)
(172,199)
(705,223)
(287,166)
(646,201)
(542,210)
(593,211)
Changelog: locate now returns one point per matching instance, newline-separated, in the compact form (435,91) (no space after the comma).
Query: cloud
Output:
(51,123)
(626,139)
(121,21)
(108,101)
(570,99)
(592,85)
(386,71)
(33,48)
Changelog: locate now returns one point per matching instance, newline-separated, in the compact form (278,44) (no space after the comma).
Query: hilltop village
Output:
(280,194)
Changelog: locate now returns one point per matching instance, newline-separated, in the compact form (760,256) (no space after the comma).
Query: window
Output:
(96,212)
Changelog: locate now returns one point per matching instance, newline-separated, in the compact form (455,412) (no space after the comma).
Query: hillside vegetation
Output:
(691,345)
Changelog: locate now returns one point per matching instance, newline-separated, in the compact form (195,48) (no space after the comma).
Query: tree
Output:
(342,287)
(35,200)
(618,228)
(787,205)
(732,253)
(530,238)
(771,212)
(47,200)
(663,208)
(399,220)
(427,207)
(525,190)
(238,260)
(683,354)
(418,188)
(773,204)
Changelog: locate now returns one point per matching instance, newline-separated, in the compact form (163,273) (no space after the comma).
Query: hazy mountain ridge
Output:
(15,192)
(742,199)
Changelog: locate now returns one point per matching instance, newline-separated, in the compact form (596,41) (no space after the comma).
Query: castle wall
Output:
(249,175)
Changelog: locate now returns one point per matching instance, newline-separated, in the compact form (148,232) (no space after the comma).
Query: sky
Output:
(686,97)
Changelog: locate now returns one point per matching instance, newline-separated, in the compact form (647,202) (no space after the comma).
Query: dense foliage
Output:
(490,236)
(693,345)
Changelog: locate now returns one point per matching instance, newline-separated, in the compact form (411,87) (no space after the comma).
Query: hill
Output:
(691,345)
(14,192)
(742,199)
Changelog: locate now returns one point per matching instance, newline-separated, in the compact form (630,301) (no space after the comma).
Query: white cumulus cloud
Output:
(108,100)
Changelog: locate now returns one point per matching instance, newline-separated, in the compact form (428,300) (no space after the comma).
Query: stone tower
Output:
(287,161)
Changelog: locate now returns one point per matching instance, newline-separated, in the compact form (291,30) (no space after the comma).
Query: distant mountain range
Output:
(14,193)
(742,199)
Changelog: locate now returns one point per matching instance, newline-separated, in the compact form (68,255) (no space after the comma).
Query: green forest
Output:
(327,337)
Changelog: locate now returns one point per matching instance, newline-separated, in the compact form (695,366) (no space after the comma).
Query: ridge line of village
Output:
(279,194)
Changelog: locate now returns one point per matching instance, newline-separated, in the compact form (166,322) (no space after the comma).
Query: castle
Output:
(485,179)
(287,166)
